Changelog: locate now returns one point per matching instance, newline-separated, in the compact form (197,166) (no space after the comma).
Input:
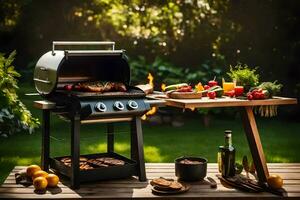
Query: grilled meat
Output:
(97,86)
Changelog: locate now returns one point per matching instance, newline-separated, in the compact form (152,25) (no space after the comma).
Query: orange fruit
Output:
(40,183)
(32,169)
(39,173)
(275,181)
(52,180)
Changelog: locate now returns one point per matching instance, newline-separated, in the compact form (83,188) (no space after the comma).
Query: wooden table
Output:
(248,120)
(133,188)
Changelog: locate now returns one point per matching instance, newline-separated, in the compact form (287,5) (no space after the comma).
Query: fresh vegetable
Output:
(256,94)
(244,76)
(272,87)
(275,181)
(199,87)
(213,82)
(175,86)
(217,89)
(230,93)
(206,87)
(211,94)
(250,96)
(185,89)
(266,111)
(219,92)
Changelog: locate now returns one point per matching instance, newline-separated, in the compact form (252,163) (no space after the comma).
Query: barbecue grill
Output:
(60,68)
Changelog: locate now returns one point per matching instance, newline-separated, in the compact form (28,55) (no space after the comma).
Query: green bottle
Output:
(226,156)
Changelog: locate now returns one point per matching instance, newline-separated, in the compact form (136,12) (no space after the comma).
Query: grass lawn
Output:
(161,143)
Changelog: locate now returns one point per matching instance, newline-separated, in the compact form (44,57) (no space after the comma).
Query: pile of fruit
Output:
(40,179)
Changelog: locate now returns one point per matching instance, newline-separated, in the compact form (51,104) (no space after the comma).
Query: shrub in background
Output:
(14,116)
(166,72)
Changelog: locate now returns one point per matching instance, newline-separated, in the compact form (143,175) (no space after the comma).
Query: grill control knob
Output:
(132,105)
(118,105)
(101,107)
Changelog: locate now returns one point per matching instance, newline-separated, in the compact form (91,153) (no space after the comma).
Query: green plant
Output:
(244,76)
(165,72)
(14,116)
(272,87)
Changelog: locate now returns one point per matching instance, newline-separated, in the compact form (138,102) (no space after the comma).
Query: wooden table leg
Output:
(255,143)
(45,140)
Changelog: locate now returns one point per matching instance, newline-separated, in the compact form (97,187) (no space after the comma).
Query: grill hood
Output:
(57,68)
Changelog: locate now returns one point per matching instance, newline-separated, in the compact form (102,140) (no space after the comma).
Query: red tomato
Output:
(249,96)
(212,95)
(212,83)
(230,93)
(206,87)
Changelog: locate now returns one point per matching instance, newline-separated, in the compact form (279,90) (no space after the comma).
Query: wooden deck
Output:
(132,188)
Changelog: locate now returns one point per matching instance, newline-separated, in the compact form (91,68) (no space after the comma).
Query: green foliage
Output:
(244,76)
(167,73)
(158,24)
(14,116)
(272,87)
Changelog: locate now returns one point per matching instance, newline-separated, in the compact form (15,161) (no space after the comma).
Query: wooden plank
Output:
(205,102)
(132,188)
(44,105)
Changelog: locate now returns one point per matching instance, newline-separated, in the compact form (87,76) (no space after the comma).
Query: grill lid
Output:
(57,68)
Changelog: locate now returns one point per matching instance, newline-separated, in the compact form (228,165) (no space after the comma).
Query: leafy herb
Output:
(14,116)
(244,76)
(273,87)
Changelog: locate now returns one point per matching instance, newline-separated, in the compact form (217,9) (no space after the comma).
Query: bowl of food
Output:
(191,168)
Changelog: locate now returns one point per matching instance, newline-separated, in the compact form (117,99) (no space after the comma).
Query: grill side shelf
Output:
(45,105)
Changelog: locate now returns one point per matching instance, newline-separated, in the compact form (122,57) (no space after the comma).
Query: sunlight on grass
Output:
(152,154)
(21,161)
(277,159)
(119,147)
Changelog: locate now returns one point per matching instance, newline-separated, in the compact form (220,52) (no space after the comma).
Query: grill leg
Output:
(45,140)
(110,137)
(75,151)
(137,147)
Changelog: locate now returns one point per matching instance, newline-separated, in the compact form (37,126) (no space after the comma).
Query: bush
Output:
(14,116)
(165,72)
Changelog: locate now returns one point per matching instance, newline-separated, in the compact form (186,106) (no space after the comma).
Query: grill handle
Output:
(63,43)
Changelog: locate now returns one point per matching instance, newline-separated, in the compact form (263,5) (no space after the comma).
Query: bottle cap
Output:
(228,133)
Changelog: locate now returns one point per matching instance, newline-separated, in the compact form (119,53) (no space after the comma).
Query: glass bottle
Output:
(226,156)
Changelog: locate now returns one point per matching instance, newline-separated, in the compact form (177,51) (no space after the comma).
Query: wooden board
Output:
(132,188)
(205,102)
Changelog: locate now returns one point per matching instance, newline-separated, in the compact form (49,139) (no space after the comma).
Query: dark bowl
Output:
(191,172)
